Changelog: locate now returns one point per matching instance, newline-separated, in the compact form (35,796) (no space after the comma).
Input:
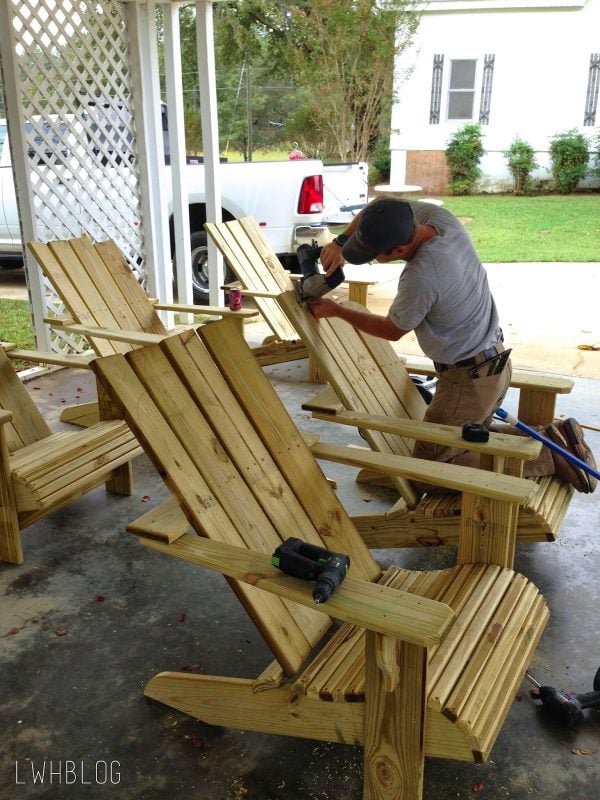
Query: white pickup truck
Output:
(285,197)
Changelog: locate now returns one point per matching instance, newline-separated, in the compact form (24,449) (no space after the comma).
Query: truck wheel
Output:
(199,246)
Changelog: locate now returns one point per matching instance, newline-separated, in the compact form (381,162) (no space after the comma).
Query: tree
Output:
(250,106)
(338,53)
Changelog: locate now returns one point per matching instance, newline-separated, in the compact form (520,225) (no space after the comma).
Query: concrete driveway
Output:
(547,310)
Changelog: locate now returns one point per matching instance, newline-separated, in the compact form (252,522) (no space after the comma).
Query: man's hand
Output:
(331,258)
(321,307)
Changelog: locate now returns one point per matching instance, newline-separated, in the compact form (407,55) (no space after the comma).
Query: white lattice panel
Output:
(76,99)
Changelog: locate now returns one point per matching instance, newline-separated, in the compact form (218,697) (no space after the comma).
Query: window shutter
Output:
(486,89)
(591,98)
(436,90)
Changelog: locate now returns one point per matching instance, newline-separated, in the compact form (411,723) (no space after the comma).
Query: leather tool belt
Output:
(488,362)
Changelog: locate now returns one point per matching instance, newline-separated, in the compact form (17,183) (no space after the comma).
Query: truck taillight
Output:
(311,195)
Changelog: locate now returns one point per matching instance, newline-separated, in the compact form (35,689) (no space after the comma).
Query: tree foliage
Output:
(341,56)
(521,162)
(463,154)
(569,155)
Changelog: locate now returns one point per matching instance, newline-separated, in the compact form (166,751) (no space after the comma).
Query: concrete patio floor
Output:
(91,615)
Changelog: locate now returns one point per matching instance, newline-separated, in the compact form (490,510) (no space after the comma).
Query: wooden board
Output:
(250,256)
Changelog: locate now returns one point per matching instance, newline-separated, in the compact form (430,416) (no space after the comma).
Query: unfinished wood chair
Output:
(424,662)
(367,377)
(261,278)
(370,383)
(108,306)
(41,471)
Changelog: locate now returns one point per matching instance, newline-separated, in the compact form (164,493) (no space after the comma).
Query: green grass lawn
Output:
(16,326)
(546,228)
(15,323)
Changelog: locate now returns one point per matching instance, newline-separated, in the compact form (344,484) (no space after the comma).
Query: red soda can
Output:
(235,299)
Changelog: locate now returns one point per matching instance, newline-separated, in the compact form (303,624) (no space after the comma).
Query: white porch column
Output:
(141,21)
(210,138)
(18,148)
(177,150)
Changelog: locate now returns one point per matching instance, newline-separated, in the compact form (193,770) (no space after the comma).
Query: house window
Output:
(461,90)
(591,100)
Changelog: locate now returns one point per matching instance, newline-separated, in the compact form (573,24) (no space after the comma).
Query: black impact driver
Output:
(312,563)
(313,283)
(567,709)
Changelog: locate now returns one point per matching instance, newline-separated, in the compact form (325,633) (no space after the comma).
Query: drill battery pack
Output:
(310,562)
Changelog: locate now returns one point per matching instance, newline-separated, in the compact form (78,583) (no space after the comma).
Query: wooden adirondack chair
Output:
(369,380)
(41,471)
(425,662)
(107,304)
(261,280)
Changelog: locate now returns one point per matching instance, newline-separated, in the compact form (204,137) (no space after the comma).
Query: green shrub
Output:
(521,162)
(596,154)
(569,155)
(463,154)
(380,162)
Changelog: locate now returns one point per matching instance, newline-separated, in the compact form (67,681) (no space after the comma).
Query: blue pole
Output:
(578,462)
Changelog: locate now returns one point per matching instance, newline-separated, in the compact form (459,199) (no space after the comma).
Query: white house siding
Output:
(540,80)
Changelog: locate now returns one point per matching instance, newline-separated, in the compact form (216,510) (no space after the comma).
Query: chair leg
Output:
(11,548)
(395,698)
(121,480)
(232,703)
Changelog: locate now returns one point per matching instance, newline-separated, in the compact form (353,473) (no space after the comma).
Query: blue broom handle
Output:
(578,462)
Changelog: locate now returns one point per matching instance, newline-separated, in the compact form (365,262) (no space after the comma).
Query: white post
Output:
(141,20)
(22,174)
(177,150)
(210,138)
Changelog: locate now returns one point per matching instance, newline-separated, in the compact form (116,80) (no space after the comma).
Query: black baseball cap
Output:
(383,225)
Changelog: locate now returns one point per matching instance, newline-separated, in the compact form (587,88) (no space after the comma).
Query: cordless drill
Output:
(314,283)
(312,563)
(567,709)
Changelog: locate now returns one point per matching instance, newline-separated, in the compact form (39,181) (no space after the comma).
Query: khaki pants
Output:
(458,399)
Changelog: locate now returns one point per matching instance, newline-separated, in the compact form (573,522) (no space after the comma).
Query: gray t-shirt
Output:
(443,292)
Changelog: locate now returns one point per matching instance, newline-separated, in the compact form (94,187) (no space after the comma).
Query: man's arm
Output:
(364,321)
(331,255)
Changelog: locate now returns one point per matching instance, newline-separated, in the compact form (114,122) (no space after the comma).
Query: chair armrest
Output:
(209,311)
(5,416)
(521,379)
(493,485)
(58,322)
(252,293)
(54,359)
(499,444)
(392,612)
(133,337)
